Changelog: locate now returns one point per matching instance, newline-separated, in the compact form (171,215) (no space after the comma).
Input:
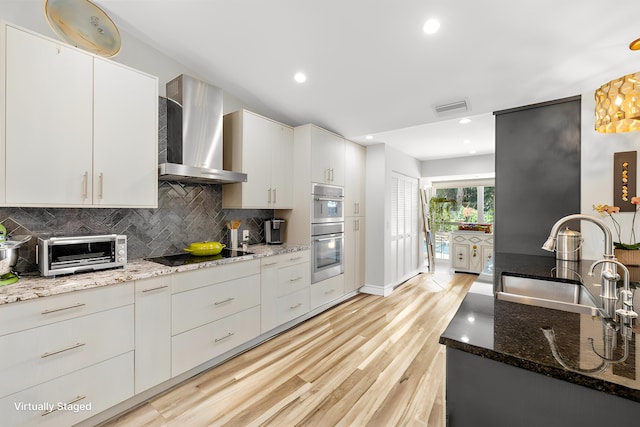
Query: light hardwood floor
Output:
(369,361)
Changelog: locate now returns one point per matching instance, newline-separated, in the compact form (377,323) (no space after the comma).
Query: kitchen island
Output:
(501,370)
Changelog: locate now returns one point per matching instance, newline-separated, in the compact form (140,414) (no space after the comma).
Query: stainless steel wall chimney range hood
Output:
(194,134)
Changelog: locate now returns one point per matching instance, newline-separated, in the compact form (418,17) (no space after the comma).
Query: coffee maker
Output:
(274,231)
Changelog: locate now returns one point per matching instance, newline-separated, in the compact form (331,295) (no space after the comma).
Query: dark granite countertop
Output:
(512,333)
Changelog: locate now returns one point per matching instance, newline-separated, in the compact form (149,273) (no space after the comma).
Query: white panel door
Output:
(48,122)
(125,137)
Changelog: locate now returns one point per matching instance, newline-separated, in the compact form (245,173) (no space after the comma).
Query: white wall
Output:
(460,167)
(597,151)
(381,161)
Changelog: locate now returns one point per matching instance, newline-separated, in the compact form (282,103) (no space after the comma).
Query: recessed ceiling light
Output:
(464,121)
(300,77)
(472,152)
(368,137)
(635,45)
(431,26)
(466,141)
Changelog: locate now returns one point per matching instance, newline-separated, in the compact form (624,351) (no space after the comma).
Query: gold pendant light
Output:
(618,105)
(618,102)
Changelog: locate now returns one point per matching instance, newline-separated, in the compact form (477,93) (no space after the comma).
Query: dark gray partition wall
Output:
(537,173)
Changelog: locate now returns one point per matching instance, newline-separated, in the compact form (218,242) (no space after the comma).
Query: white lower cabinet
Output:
(288,307)
(41,354)
(152,332)
(213,310)
(71,398)
(470,251)
(71,355)
(284,283)
(199,306)
(327,290)
(194,347)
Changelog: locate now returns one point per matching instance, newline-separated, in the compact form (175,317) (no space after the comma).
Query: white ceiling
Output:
(373,71)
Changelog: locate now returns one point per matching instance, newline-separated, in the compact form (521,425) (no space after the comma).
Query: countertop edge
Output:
(548,371)
(31,288)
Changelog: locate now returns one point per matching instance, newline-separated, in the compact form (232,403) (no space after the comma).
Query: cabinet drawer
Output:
(31,357)
(199,306)
(290,306)
(188,280)
(19,316)
(292,279)
(199,345)
(285,260)
(96,388)
(327,290)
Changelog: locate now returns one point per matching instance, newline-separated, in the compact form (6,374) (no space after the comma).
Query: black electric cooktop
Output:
(184,259)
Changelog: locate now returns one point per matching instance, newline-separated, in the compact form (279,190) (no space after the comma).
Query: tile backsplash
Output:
(186,213)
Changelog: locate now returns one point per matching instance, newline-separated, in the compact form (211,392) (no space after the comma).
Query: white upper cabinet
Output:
(81,131)
(263,149)
(125,138)
(355,155)
(48,121)
(327,157)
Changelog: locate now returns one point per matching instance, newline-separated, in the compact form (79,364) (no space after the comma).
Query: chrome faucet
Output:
(608,276)
(626,313)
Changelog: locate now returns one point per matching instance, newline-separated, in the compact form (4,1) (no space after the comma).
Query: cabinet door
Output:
(256,160)
(125,137)
(353,253)
(48,122)
(460,253)
(152,332)
(487,254)
(282,167)
(355,155)
(327,157)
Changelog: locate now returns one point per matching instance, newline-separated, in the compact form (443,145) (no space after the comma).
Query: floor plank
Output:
(369,361)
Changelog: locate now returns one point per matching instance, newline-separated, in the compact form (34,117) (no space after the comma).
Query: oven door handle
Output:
(324,239)
(329,199)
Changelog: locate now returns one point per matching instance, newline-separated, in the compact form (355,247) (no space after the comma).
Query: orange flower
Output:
(635,200)
(606,209)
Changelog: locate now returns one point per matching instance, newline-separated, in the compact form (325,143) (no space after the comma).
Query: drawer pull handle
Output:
(295,258)
(223,301)
(155,289)
(295,279)
(80,344)
(293,307)
(269,264)
(229,335)
(71,402)
(54,310)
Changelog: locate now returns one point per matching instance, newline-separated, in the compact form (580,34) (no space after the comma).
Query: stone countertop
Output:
(35,286)
(512,333)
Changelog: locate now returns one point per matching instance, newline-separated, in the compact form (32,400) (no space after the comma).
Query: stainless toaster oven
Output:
(78,254)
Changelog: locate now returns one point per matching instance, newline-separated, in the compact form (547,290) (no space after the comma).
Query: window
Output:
(451,204)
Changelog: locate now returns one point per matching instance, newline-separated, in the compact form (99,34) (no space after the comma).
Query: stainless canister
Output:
(568,245)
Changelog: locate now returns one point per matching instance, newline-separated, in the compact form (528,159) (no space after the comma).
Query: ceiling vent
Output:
(452,107)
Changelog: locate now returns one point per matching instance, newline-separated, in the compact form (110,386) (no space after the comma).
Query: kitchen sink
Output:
(564,296)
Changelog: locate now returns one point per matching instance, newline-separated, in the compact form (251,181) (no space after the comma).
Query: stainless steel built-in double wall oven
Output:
(327,231)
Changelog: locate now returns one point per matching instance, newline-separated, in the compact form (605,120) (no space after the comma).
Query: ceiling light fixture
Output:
(300,77)
(466,141)
(368,137)
(464,121)
(431,26)
(635,45)
(618,105)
